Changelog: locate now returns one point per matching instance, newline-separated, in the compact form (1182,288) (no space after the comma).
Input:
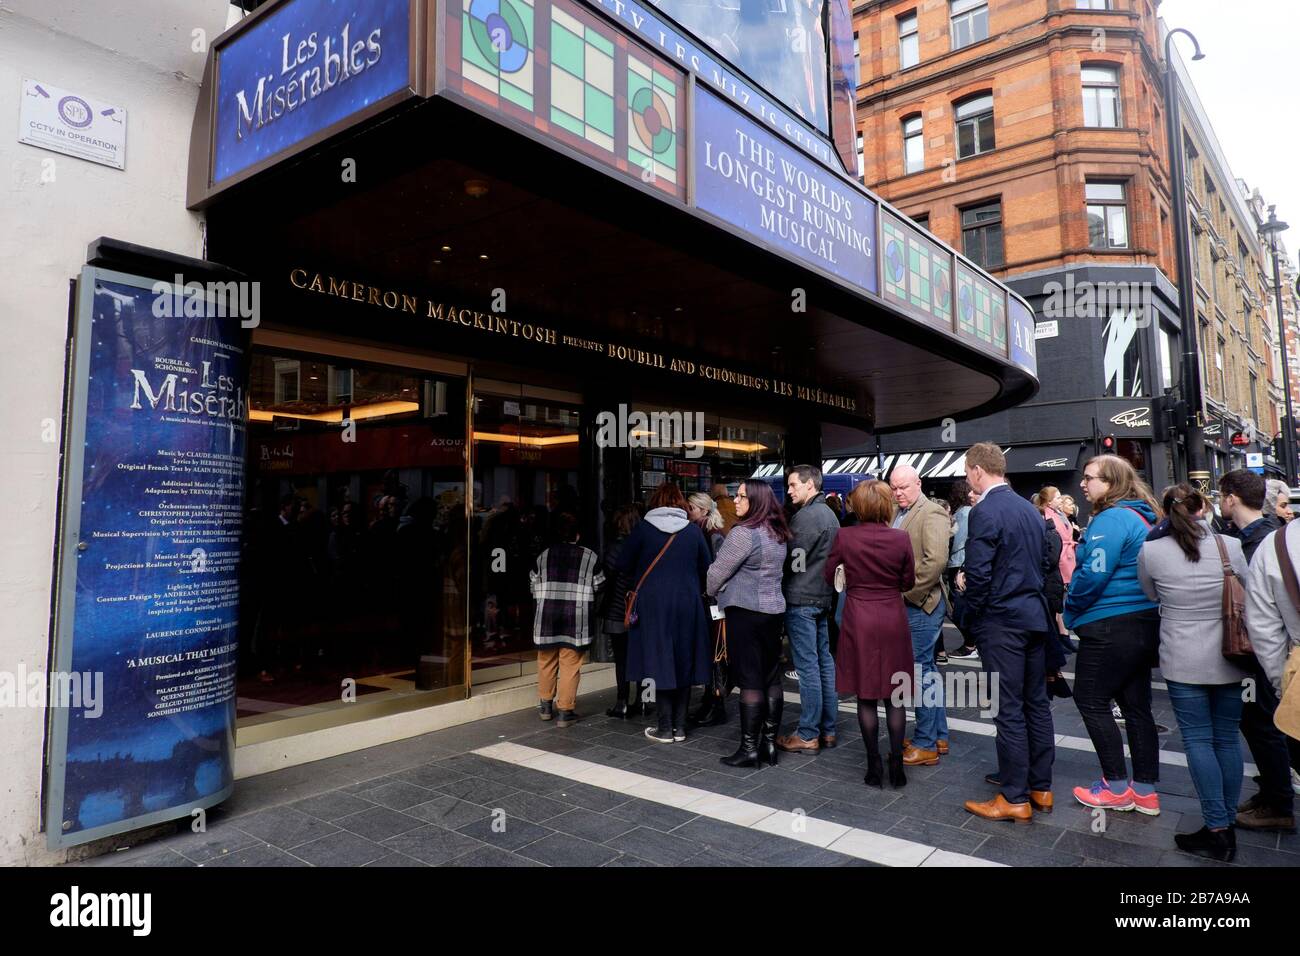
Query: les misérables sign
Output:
(302,69)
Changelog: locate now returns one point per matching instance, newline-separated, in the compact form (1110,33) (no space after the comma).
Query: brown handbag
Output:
(629,608)
(1236,639)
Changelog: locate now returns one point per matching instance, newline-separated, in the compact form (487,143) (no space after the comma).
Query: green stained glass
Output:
(566,50)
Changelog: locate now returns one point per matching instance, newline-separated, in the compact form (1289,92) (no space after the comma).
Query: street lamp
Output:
(1198,474)
(1271,230)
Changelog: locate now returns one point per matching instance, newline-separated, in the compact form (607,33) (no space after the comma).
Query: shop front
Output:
(514,261)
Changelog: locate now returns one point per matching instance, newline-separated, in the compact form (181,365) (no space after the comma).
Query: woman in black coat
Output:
(668,640)
(1054,591)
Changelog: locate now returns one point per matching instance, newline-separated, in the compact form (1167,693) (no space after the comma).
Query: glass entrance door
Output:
(525,462)
(354,584)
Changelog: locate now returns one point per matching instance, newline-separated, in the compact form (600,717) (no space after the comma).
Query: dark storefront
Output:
(561,226)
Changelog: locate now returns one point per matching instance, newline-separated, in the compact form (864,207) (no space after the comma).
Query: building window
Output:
(909,42)
(1092,4)
(922,219)
(1101,96)
(1218,364)
(981,235)
(1196,251)
(861,163)
(1242,255)
(857,62)
(913,145)
(1166,360)
(1107,216)
(1254,402)
(975,126)
(970,22)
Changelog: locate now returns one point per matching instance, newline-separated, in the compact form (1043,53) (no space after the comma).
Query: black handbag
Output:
(720,678)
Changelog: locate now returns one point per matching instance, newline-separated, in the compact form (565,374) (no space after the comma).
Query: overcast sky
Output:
(1249,83)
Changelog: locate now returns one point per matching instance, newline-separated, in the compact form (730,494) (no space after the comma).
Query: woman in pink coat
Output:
(875,645)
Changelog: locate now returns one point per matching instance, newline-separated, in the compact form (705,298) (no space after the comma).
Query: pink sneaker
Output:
(1099,795)
(1149,804)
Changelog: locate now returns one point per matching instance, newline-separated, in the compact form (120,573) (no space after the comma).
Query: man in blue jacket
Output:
(1005,610)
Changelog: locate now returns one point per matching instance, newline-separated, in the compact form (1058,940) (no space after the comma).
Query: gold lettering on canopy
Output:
(494,324)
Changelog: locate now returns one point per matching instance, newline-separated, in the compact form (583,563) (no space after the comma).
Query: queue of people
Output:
(701,595)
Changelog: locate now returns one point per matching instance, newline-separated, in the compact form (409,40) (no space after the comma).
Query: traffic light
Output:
(1108,444)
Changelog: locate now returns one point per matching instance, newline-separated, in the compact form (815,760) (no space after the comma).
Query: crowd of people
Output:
(700,591)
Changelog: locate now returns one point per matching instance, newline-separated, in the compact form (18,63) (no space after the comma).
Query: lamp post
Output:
(1271,229)
(1198,473)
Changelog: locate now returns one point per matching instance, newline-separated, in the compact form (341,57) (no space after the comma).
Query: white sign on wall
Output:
(72,124)
(1046,330)
(1254,459)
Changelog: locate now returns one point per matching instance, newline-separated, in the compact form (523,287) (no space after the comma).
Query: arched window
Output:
(974,125)
(913,145)
(1101,105)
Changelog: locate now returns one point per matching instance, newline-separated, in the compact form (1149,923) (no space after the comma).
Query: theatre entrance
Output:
(526,473)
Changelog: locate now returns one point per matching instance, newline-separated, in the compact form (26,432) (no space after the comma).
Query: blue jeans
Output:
(810,645)
(1209,716)
(932,720)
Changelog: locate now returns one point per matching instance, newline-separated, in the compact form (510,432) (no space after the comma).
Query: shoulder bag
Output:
(1287,716)
(629,609)
(1236,640)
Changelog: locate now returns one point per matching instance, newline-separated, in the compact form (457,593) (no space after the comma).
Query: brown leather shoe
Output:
(912,757)
(1041,800)
(794,744)
(941,747)
(827,741)
(999,809)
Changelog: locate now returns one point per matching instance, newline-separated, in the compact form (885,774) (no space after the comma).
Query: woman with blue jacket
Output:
(1119,633)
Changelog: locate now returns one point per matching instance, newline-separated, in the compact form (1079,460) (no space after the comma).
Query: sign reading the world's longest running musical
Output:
(749,178)
(148,605)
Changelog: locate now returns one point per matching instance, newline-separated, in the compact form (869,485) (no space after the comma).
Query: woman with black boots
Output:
(625,519)
(875,640)
(746,580)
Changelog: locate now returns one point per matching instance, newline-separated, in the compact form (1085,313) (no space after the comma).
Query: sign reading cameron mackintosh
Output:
(301,69)
(149,567)
(749,178)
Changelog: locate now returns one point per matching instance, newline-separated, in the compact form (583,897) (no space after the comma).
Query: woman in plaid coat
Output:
(564,585)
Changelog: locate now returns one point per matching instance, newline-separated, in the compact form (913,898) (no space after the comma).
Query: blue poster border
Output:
(65,593)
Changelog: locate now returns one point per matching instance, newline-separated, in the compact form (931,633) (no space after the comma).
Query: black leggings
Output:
(619,643)
(869,724)
(672,708)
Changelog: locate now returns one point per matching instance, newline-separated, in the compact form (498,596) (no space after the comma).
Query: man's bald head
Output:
(905,483)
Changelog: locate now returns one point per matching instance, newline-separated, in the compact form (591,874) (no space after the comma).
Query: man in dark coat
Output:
(1007,614)
(808,604)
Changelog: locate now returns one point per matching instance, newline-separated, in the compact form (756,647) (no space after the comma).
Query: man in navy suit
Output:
(1007,613)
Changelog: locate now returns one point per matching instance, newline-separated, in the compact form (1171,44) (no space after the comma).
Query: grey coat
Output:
(1271,618)
(1191,607)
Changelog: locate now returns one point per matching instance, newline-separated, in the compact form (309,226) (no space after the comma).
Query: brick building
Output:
(1030,134)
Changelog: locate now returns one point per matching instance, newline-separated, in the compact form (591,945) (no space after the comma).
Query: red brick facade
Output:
(1044,152)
